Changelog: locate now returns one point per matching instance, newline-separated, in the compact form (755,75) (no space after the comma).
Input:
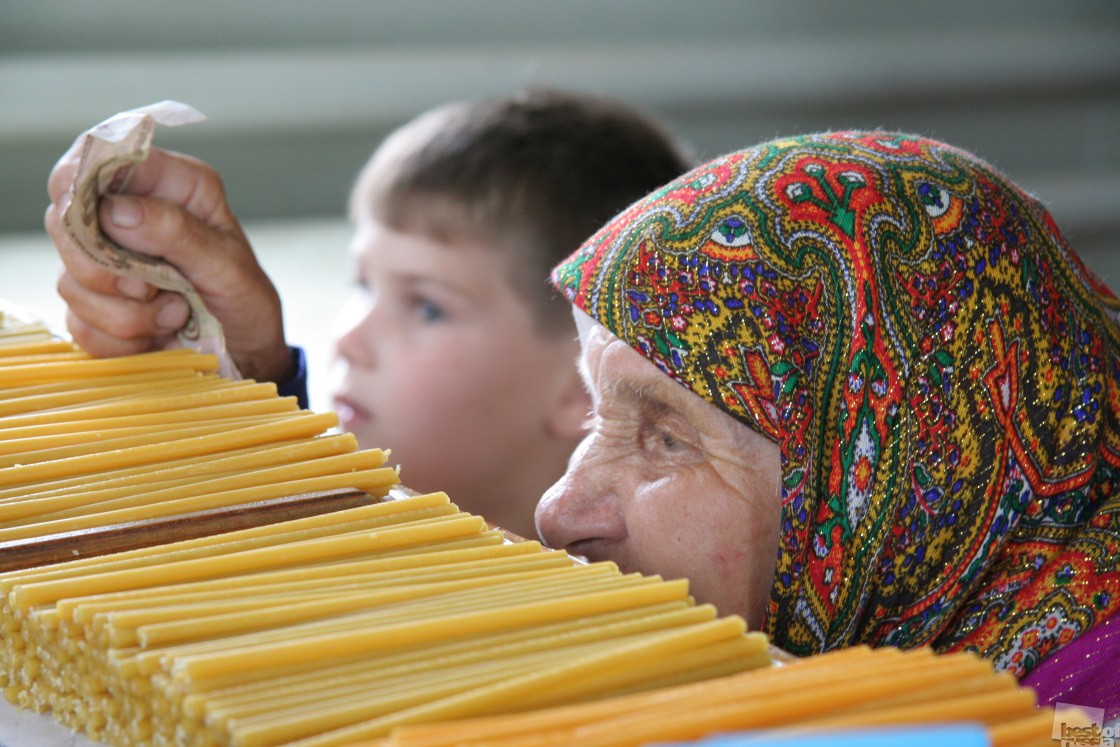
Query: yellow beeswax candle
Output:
(170,403)
(18,375)
(305,425)
(180,470)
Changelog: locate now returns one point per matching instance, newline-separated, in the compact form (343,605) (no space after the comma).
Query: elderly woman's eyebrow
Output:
(622,388)
(649,396)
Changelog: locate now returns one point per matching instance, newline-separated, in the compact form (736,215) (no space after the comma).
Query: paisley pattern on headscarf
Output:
(938,367)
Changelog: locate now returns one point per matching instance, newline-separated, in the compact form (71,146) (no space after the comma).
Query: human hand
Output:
(173,207)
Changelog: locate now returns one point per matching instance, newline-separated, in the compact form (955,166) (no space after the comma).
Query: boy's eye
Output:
(429,311)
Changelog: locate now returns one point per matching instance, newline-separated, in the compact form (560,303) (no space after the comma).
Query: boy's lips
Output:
(350,414)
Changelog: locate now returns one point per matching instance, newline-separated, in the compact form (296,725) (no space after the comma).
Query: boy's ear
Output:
(568,419)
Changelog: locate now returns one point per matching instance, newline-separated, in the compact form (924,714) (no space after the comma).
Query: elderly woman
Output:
(858,389)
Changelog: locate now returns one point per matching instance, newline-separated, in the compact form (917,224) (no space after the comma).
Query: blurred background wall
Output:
(299,93)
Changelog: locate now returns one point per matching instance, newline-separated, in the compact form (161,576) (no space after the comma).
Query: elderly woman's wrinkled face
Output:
(667,484)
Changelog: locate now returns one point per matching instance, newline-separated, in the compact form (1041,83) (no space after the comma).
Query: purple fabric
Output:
(1084,672)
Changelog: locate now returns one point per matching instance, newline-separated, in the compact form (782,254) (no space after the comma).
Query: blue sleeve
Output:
(296,386)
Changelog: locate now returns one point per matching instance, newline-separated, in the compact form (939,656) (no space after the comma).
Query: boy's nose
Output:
(581,506)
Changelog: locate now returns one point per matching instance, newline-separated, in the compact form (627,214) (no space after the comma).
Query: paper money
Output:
(110,151)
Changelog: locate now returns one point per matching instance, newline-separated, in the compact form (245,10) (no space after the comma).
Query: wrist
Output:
(275,364)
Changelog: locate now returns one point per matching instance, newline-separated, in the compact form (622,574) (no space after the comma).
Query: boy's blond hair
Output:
(532,174)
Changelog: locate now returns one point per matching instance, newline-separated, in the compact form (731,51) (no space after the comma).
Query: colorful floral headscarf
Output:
(939,370)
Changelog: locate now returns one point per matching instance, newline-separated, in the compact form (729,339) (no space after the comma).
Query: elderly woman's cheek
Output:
(727,573)
(730,565)
(741,552)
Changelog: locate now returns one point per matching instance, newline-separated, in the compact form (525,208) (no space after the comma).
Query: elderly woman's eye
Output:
(661,440)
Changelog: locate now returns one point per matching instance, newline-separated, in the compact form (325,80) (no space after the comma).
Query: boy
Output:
(452,351)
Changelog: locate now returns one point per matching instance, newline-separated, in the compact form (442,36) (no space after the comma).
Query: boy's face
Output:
(437,359)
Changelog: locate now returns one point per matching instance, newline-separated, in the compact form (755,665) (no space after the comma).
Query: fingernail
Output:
(124,211)
(173,315)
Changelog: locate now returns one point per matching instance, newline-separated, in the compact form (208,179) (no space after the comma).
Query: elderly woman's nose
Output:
(580,506)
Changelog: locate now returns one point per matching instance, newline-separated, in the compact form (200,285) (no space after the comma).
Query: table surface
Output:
(23,728)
